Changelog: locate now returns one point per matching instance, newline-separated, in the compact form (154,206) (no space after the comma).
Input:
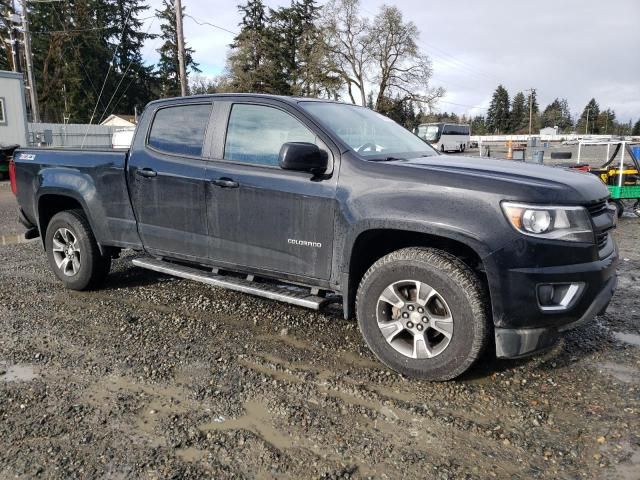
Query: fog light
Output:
(558,296)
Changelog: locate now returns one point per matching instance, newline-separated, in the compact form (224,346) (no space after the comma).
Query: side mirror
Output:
(303,157)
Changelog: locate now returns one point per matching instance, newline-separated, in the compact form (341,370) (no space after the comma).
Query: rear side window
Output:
(256,133)
(180,129)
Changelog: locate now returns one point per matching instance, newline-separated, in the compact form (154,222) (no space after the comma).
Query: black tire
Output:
(462,148)
(442,148)
(561,155)
(93,267)
(619,207)
(464,295)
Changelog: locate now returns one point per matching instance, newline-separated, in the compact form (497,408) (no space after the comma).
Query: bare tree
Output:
(348,42)
(401,68)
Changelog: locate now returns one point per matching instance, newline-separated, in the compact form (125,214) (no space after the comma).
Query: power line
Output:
(211,25)
(77,30)
(120,83)
(463,105)
(113,59)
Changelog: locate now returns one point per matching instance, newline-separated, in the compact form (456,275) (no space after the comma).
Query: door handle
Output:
(146,172)
(225,183)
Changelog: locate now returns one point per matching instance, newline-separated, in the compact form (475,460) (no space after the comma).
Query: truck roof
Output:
(283,98)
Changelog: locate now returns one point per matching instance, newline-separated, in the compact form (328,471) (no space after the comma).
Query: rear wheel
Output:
(73,252)
(423,313)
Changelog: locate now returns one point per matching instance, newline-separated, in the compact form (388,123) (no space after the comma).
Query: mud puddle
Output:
(623,373)
(629,338)
(14,239)
(17,373)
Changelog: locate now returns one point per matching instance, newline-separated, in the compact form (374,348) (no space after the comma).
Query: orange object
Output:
(509,150)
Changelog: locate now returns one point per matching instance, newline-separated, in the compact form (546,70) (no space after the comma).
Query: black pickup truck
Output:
(306,201)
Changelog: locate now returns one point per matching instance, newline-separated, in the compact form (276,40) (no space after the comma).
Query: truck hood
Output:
(575,185)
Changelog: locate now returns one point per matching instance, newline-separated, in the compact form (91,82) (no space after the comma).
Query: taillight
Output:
(12,177)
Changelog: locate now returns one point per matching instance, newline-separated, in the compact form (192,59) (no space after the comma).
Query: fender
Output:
(80,187)
(447,232)
(444,231)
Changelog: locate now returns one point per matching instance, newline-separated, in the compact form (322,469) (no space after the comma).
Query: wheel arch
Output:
(53,201)
(374,243)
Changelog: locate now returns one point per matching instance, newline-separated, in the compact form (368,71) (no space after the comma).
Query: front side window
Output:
(256,133)
(180,129)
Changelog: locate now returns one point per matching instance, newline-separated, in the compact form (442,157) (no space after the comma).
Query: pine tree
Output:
(168,70)
(280,52)
(606,121)
(587,122)
(557,114)
(478,125)
(74,43)
(132,83)
(5,48)
(636,128)
(519,116)
(498,113)
(71,57)
(248,64)
(370,104)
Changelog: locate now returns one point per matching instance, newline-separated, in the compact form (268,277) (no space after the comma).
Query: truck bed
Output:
(95,179)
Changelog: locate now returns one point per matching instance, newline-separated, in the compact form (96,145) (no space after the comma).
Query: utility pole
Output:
(586,125)
(180,34)
(33,94)
(531,92)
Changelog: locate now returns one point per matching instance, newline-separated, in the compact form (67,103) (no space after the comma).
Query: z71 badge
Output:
(27,156)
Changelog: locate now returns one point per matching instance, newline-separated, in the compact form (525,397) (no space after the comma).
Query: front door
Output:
(264,217)
(168,181)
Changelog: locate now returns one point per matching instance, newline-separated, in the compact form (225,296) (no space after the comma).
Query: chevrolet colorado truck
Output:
(300,200)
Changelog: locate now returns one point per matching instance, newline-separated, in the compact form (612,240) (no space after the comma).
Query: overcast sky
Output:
(575,49)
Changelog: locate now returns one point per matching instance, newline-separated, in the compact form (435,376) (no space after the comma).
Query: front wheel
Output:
(73,252)
(423,313)
(442,148)
(619,207)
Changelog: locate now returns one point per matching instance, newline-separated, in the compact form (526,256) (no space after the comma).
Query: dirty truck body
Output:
(439,257)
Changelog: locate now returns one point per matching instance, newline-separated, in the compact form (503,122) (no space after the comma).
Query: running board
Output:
(282,293)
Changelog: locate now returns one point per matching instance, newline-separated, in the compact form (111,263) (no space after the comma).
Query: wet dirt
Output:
(154,377)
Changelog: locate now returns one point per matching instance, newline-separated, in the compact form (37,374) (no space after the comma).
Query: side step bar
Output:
(282,293)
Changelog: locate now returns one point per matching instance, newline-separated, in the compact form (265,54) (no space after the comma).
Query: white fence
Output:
(546,138)
(71,135)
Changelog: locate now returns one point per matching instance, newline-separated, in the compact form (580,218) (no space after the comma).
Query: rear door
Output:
(167,177)
(261,216)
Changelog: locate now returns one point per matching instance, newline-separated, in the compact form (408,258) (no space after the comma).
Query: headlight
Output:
(571,224)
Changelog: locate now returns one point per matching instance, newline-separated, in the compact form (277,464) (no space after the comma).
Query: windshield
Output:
(372,135)
(431,133)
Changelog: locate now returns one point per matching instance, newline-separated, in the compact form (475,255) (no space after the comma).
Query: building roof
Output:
(127,118)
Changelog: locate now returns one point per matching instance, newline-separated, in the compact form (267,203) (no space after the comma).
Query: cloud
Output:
(575,49)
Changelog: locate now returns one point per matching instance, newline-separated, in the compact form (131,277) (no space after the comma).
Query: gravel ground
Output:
(154,377)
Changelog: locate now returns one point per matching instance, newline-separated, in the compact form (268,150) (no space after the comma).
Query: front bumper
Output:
(519,342)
